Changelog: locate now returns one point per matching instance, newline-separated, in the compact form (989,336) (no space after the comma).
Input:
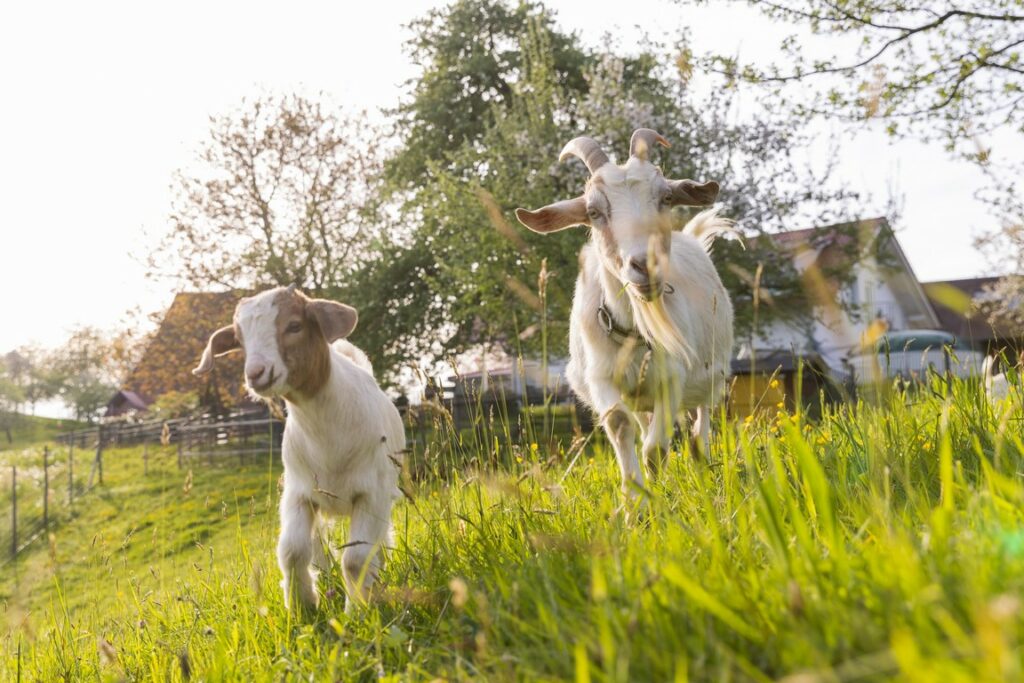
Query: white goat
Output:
(996,384)
(342,439)
(650,333)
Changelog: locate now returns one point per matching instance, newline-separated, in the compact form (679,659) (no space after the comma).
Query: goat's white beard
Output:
(656,325)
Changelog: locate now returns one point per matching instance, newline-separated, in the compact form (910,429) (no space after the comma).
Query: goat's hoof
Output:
(634,511)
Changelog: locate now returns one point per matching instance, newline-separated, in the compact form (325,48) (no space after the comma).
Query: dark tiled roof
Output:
(837,233)
(955,302)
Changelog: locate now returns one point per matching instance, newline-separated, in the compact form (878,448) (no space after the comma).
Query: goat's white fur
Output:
(341,455)
(341,451)
(997,386)
(608,377)
(689,325)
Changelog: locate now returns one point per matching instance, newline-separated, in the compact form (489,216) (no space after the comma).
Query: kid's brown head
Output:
(285,336)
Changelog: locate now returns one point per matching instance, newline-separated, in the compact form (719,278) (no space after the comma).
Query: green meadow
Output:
(879,542)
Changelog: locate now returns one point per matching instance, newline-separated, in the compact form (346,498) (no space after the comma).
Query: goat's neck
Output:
(312,410)
(616,298)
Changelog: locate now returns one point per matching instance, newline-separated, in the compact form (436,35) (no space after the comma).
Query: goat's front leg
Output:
(619,426)
(702,432)
(656,440)
(361,562)
(295,549)
(322,551)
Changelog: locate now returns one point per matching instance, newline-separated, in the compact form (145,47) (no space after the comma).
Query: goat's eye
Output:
(293,327)
(594,214)
(666,201)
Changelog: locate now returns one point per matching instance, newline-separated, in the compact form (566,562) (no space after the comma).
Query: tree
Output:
(280,197)
(477,272)
(1003,302)
(16,368)
(30,368)
(84,371)
(935,70)
(10,398)
(471,56)
(935,67)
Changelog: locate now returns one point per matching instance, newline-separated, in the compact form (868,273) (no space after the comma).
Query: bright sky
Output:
(102,102)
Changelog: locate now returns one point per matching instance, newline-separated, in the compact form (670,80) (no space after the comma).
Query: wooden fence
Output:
(245,437)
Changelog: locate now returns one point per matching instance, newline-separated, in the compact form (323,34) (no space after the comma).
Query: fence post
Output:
(71,475)
(46,487)
(14,511)
(99,452)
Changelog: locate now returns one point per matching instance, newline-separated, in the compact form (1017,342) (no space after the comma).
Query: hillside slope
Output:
(27,430)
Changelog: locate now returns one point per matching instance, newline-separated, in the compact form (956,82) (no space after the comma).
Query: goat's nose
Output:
(255,371)
(638,265)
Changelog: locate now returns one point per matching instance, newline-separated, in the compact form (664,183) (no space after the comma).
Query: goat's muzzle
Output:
(261,387)
(647,292)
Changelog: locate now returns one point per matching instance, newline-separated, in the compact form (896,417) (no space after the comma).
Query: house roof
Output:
(176,347)
(123,402)
(956,304)
(825,235)
(831,245)
(131,399)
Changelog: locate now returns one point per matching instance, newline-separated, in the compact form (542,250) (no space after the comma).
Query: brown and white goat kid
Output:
(651,328)
(342,439)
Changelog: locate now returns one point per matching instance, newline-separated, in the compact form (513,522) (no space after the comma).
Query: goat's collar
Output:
(616,332)
(613,330)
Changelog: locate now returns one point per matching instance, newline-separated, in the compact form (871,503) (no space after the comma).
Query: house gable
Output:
(176,346)
(879,289)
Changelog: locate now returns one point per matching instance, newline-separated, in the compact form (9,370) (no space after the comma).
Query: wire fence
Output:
(43,488)
(42,492)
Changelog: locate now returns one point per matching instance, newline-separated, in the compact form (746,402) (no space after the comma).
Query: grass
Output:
(27,430)
(883,542)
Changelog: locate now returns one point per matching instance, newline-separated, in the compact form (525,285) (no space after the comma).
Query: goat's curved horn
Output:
(642,141)
(587,149)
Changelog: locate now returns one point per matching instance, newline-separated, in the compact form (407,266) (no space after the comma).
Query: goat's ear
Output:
(222,341)
(336,320)
(692,193)
(555,217)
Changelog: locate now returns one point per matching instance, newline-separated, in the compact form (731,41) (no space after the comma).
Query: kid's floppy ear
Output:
(221,342)
(555,217)
(336,320)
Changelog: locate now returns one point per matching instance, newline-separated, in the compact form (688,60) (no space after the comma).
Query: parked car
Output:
(910,354)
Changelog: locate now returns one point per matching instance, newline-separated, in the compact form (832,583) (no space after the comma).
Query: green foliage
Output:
(471,56)
(524,89)
(174,404)
(84,372)
(885,542)
(952,69)
(10,397)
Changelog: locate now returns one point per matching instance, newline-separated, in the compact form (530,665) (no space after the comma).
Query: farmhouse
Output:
(878,294)
(166,364)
